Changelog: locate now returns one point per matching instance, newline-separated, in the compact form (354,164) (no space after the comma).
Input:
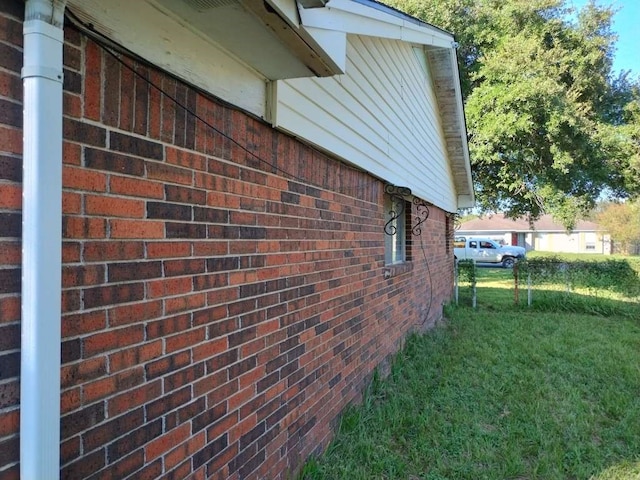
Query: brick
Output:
(136,229)
(10,85)
(81,372)
(112,384)
(10,225)
(113,294)
(126,272)
(126,104)
(84,466)
(169,249)
(167,403)
(184,377)
(168,325)
(11,30)
(175,193)
(134,355)
(82,323)
(82,275)
(9,396)
(11,57)
(183,267)
(113,162)
(10,280)
(136,187)
(169,211)
(170,174)
(185,339)
(105,432)
(166,364)
(10,137)
(112,250)
(84,133)
(71,203)
(112,339)
(83,228)
(92,81)
(81,420)
(83,179)
(134,398)
(167,442)
(185,158)
(210,451)
(113,206)
(170,286)
(134,440)
(11,197)
(210,215)
(185,302)
(70,400)
(10,167)
(141,101)
(136,146)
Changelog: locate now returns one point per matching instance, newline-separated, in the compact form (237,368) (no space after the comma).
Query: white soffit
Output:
(164,40)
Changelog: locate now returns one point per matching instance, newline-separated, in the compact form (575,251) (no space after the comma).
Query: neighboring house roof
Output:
(235,48)
(498,223)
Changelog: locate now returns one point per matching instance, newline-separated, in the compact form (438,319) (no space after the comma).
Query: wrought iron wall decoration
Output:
(397,195)
(398,205)
(422,213)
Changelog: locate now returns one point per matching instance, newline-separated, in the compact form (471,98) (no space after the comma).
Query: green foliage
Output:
(550,126)
(467,271)
(616,275)
(622,222)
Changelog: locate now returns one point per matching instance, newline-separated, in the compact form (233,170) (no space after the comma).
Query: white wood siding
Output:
(381,115)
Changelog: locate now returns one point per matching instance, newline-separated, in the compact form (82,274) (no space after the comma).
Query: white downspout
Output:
(41,240)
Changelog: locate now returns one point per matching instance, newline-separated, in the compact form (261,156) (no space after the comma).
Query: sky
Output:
(626,23)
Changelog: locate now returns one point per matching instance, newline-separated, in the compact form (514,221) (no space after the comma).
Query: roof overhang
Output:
(282,39)
(367,17)
(266,36)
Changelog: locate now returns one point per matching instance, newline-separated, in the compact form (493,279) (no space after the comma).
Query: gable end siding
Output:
(381,115)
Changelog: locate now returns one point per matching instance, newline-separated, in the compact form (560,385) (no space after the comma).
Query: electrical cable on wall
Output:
(110,47)
(398,195)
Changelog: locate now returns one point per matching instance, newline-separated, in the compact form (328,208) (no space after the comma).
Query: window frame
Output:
(397,213)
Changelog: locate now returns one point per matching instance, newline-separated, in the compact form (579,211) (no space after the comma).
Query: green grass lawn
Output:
(501,392)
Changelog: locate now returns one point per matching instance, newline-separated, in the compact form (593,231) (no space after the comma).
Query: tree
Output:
(622,222)
(550,128)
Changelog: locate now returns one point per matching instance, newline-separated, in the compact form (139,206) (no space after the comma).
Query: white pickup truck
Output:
(485,250)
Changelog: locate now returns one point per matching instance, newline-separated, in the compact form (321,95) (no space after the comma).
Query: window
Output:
(395,229)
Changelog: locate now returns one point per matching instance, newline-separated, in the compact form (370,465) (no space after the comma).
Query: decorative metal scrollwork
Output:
(457,223)
(397,195)
(422,213)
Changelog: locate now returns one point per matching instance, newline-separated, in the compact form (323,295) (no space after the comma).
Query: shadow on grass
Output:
(547,300)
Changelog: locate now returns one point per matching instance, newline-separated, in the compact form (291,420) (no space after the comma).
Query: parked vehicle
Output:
(485,250)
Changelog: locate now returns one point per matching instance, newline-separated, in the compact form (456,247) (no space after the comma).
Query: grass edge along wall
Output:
(217,315)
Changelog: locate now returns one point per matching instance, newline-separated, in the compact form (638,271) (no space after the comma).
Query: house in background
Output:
(544,235)
(217,219)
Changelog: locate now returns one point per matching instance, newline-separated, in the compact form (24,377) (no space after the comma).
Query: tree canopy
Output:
(550,126)
(622,222)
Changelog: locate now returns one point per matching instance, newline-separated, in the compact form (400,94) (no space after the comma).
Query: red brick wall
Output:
(218,314)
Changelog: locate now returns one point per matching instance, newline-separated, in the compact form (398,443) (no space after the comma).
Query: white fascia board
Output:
(463,124)
(354,18)
(287,9)
(333,43)
(466,201)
